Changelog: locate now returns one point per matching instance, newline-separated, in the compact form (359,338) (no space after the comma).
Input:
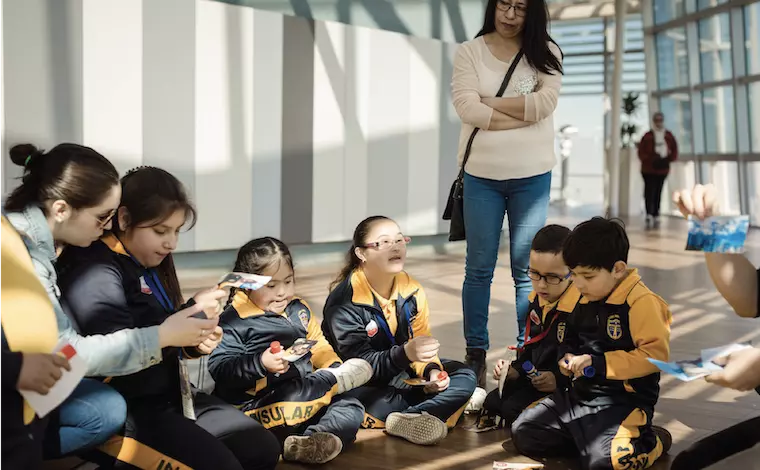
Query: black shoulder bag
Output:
(455,206)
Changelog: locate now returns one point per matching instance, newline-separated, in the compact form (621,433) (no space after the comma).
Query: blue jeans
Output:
(526,201)
(88,417)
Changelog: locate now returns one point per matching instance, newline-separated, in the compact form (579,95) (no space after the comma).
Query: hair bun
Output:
(23,153)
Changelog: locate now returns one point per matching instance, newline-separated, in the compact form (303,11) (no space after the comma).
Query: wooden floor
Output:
(689,410)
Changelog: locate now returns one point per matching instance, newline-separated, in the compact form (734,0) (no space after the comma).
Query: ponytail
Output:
(359,240)
(78,175)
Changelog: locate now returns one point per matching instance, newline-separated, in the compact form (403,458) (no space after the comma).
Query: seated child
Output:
(552,300)
(605,416)
(298,401)
(379,313)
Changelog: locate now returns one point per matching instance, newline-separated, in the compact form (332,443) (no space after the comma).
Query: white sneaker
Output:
(422,429)
(351,374)
(320,447)
(476,401)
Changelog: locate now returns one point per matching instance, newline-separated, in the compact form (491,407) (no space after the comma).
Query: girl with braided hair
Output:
(265,332)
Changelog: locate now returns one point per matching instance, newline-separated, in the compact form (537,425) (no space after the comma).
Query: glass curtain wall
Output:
(707,83)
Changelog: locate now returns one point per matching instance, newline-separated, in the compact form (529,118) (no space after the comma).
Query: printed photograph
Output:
(719,234)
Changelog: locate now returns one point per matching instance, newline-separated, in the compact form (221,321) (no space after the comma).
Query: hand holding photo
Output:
(418,382)
(718,234)
(243,281)
(687,370)
(299,349)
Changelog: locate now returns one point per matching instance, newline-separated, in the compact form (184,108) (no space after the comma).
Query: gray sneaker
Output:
(422,429)
(320,447)
(351,374)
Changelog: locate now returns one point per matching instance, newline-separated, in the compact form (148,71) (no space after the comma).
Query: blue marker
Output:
(588,371)
(530,369)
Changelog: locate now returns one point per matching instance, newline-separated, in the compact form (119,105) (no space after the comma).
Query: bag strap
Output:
(501,91)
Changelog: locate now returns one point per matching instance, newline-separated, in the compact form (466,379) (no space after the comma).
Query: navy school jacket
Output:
(620,333)
(106,291)
(235,364)
(355,326)
(546,322)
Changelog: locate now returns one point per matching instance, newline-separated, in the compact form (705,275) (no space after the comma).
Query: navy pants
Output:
(603,437)
(306,405)
(448,406)
(515,397)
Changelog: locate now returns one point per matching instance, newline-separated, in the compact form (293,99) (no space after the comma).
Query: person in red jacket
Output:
(657,150)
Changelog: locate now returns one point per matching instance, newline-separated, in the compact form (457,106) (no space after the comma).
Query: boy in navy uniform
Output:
(552,300)
(605,416)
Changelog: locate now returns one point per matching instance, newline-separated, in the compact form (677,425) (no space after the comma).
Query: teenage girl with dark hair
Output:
(126,280)
(511,158)
(302,404)
(67,197)
(379,313)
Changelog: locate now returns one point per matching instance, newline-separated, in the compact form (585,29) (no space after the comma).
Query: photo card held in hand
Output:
(243,281)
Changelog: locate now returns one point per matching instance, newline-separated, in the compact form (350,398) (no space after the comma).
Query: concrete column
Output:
(613,160)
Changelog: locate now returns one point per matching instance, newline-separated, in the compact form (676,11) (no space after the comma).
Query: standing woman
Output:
(510,161)
(657,150)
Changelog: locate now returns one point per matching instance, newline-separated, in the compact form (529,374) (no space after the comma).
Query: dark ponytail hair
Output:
(359,240)
(257,255)
(70,172)
(535,35)
(151,195)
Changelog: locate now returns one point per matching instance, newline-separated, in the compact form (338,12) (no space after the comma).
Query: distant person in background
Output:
(657,150)
(510,160)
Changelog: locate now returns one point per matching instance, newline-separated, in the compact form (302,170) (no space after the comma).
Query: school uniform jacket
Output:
(235,364)
(620,333)
(355,325)
(107,292)
(547,322)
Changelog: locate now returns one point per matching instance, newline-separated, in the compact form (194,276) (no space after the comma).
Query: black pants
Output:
(603,437)
(303,406)
(21,443)
(159,437)
(448,406)
(515,397)
(653,193)
(719,446)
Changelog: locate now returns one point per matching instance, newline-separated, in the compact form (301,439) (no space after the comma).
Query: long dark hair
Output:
(359,240)
(257,255)
(535,35)
(151,195)
(70,172)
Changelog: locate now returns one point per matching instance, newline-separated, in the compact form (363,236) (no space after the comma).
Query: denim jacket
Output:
(121,353)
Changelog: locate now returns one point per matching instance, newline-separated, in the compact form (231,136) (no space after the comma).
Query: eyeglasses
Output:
(551,279)
(387,243)
(105,218)
(519,9)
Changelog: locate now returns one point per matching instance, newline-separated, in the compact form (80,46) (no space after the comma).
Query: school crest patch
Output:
(560,332)
(303,315)
(614,327)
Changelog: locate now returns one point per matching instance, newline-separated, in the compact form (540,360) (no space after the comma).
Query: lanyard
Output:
(151,278)
(386,328)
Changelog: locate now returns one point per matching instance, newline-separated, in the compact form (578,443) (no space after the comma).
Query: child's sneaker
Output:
(351,374)
(418,428)
(319,447)
(476,401)
(665,438)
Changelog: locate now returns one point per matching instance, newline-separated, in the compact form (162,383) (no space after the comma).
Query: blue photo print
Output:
(718,234)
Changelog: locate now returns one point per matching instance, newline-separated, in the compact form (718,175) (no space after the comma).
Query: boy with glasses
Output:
(552,300)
